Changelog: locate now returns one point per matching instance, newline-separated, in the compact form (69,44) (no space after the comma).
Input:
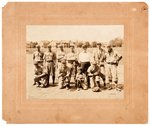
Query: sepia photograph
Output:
(74,61)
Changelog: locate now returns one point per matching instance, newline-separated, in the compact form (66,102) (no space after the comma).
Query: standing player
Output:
(50,60)
(112,61)
(99,57)
(72,61)
(84,60)
(61,55)
(38,55)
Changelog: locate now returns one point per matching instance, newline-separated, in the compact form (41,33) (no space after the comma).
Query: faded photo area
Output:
(74,62)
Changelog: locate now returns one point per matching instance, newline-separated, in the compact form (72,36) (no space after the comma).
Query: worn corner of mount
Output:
(4,3)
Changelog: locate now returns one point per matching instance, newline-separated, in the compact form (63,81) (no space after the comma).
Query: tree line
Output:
(117,42)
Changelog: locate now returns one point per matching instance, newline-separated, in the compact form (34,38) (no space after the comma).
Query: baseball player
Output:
(72,61)
(94,75)
(63,76)
(38,55)
(80,79)
(50,60)
(40,75)
(99,57)
(84,60)
(61,55)
(112,61)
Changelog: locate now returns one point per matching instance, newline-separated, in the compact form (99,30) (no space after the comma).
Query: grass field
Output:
(53,92)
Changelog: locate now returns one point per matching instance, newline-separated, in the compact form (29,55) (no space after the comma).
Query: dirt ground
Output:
(53,92)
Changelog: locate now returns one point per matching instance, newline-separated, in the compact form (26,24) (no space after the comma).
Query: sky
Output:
(103,33)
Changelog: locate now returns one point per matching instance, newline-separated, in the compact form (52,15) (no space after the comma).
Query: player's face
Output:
(72,49)
(36,65)
(108,48)
(80,71)
(99,46)
(84,49)
(38,48)
(93,65)
(61,48)
(49,48)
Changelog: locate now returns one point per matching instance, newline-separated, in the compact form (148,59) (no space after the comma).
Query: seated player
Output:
(63,76)
(40,76)
(94,76)
(80,79)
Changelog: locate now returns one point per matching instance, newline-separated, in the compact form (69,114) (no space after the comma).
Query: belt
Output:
(111,63)
(40,61)
(86,62)
(49,61)
(71,61)
(101,65)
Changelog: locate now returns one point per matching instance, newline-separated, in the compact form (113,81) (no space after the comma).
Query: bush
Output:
(79,44)
(33,44)
(45,44)
(94,44)
(117,42)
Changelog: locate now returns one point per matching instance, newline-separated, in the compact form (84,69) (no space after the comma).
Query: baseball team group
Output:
(83,70)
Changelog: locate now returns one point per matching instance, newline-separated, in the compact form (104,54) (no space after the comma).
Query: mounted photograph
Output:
(74,61)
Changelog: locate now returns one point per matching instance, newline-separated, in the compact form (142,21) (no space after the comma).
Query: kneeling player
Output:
(63,76)
(94,76)
(40,76)
(80,79)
